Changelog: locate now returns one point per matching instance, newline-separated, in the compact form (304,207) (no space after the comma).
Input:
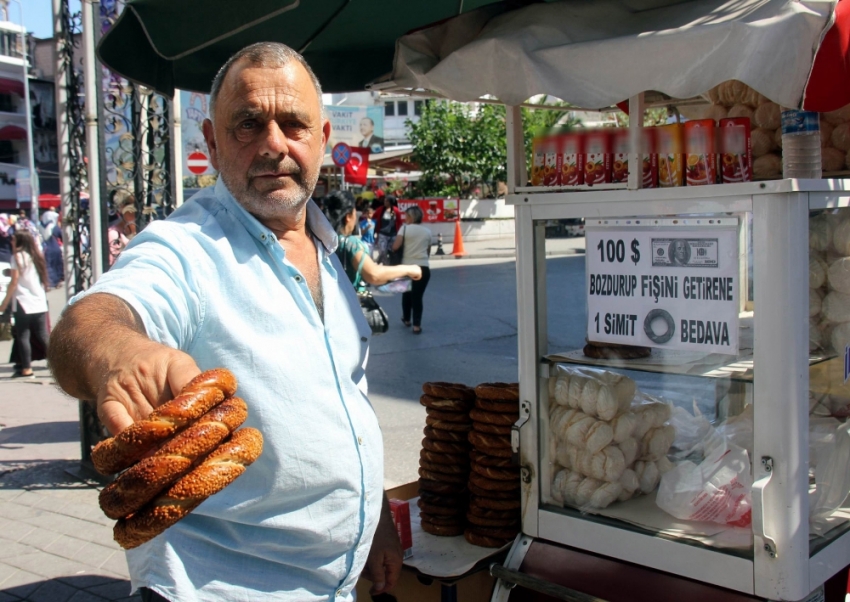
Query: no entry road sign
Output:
(197,162)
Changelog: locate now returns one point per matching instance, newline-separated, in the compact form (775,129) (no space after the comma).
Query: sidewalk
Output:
(506,247)
(55,543)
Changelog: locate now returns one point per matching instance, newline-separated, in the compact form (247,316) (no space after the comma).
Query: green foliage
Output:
(651,118)
(463,151)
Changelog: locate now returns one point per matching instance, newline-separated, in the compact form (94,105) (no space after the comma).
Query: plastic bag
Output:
(832,480)
(715,490)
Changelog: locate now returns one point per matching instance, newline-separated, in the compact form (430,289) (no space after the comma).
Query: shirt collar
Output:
(317,223)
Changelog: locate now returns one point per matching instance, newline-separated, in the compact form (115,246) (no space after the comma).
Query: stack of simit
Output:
(444,458)
(494,482)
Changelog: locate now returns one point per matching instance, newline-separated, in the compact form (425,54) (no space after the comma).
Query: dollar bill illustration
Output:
(685,252)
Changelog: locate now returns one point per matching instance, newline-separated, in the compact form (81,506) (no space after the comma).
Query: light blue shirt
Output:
(214,282)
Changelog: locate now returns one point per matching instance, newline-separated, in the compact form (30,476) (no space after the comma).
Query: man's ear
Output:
(209,136)
(326,132)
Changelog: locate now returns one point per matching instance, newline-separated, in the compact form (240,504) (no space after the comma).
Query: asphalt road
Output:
(469,336)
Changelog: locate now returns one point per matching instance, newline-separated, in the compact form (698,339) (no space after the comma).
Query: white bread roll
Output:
(577,382)
(826,129)
(838,116)
(767,166)
(623,425)
(605,495)
(832,159)
(630,448)
(815,337)
(562,389)
(817,271)
(768,116)
(762,141)
(557,489)
(589,397)
(839,275)
(599,436)
(840,137)
(585,491)
(841,238)
(716,112)
(648,476)
(777,138)
(741,110)
(815,301)
(836,307)
(820,232)
(840,337)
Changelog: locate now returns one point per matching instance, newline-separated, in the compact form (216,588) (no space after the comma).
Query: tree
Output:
(462,148)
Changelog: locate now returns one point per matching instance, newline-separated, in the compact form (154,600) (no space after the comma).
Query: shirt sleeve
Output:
(158,280)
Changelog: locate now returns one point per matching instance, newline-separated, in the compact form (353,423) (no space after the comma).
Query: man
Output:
(245,276)
(370,141)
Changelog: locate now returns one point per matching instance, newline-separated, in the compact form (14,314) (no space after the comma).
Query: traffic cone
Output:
(457,246)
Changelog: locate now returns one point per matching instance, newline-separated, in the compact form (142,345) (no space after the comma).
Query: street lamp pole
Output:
(28,107)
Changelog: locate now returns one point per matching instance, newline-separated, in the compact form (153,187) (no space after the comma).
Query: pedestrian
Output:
(27,291)
(123,228)
(51,235)
(416,240)
(245,276)
(7,231)
(353,253)
(388,221)
(367,227)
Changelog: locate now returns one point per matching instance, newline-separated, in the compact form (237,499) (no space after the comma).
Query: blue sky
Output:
(37,15)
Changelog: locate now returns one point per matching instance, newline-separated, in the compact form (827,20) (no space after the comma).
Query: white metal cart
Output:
(783,563)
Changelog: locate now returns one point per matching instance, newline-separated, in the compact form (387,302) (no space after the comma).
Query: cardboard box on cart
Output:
(474,588)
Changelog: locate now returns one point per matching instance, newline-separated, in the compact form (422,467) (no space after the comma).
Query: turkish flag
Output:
(357,166)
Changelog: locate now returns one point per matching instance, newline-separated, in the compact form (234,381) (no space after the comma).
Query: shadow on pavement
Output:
(12,437)
(96,587)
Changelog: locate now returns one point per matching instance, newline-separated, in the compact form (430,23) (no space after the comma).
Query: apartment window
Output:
(389,109)
(7,152)
(417,107)
(6,103)
(402,108)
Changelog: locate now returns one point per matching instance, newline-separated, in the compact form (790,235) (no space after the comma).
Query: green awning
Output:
(168,44)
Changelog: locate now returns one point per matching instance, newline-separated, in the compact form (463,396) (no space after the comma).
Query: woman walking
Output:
(388,221)
(416,240)
(27,290)
(352,251)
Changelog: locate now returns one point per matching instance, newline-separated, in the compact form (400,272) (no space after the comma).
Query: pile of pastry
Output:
(610,442)
(467,482)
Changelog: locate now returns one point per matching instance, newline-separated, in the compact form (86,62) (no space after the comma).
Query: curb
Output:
(497,255)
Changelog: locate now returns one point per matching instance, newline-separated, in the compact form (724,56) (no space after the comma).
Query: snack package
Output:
(538,161)
(598,154)
(400,509)
(700,152)
(551,176)
(620,158)
(670,155)
(736,151)
(650,158)
(572,159)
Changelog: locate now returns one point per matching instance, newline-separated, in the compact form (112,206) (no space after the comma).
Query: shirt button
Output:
(339,592)
(262,237)
(298,279)
(364,339)
(360,440)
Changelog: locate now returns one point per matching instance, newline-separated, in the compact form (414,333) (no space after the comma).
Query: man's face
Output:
(366,127)
(679,250)
(269,137)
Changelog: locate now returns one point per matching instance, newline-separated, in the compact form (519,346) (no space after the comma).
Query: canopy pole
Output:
(517,170)
(92,140)
(636,111)
(177,148)
(63,137)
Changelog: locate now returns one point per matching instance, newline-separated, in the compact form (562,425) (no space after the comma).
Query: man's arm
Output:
(383,566)
(99,351)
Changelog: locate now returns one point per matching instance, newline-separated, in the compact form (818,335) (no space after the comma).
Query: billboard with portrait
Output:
(357,126)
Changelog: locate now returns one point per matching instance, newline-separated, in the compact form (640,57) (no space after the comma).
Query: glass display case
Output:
(726,308)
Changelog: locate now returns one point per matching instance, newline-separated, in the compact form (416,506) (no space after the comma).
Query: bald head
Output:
(269,55)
